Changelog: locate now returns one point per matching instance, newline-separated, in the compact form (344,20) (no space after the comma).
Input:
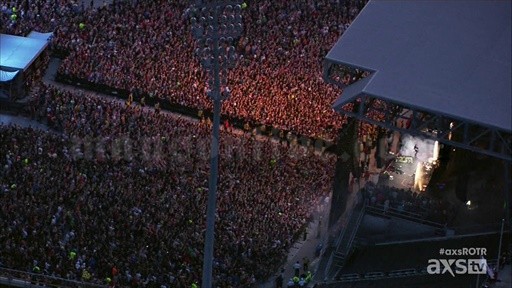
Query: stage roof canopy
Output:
(40,36)
(17,53)
(6,76)
(450,57)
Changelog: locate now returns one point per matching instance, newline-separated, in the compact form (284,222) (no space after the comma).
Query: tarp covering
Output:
(40,36)
(18,53)
(6,76)
(453,57)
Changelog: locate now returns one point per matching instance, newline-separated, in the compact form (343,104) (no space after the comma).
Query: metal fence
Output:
(19,278)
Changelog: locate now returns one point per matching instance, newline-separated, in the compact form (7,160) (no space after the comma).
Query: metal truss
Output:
(457,132)
(336,73)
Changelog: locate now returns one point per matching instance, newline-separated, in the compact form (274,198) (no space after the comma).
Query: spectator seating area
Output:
(117,193)
(277,80)
(73,203)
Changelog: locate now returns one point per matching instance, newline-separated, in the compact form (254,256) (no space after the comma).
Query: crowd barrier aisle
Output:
(246,125)
(18,278)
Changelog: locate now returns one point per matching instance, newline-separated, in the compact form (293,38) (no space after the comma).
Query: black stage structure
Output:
(442,67)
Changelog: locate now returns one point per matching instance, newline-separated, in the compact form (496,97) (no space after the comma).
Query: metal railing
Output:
(356,228)
(349,234)
(379,209)
(19,278)
(382,239)
(338,240)
(350,244)
(393,274)
(479,228)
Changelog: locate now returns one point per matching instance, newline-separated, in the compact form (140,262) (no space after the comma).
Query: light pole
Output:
(214,25)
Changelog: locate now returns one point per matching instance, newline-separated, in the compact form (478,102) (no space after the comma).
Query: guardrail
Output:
(356,228)
(348,248)
(19,278)
(165,104)
(403,237)
(341,251)
(393,274)
(491,227)
(402,212)
(350,277)
(337,242)
(378,209)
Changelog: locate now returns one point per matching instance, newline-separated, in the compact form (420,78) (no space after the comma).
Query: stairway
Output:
(344,245)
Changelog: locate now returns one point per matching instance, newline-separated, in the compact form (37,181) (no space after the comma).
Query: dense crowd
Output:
(20,17)
(102,198)
(414,204)
(118,194)
(277,80)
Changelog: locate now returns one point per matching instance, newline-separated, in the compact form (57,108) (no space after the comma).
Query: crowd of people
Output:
(97,201)
(118,193)
(20,17)
(277,79)
(282,89)
(414,204)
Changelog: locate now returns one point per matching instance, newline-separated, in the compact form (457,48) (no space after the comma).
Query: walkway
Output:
(505,278)
(316,235)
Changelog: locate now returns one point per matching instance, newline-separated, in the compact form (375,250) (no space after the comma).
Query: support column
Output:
(344,165)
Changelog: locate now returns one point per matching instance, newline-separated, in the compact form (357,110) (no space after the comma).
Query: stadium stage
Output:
(19,57)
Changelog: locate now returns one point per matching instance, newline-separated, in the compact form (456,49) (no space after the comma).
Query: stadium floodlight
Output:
(215,25)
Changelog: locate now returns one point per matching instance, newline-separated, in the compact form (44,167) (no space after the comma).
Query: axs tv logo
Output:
(456,266)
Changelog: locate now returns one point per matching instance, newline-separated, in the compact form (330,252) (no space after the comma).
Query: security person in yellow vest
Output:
(35,270)
(309,277)
(86,276)
(296,280)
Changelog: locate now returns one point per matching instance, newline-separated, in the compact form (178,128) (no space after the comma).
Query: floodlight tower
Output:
(215,25)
